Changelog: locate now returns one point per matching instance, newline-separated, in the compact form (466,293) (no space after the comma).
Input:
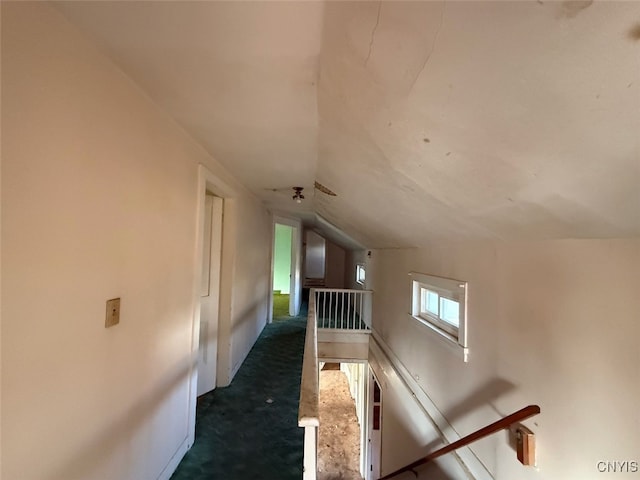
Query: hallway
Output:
(250,430)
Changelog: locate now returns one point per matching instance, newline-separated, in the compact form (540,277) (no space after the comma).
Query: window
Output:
(360,274)
(441,304)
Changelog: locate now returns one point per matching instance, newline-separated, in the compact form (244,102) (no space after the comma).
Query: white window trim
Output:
(448,288)
(358,267)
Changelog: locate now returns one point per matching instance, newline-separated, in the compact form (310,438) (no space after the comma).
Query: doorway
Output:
(286,264)
(214,361)
(282,270)
(210,294)
(374,428)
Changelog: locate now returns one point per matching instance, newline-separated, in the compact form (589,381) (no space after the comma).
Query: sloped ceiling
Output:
(240,77)
(451,120)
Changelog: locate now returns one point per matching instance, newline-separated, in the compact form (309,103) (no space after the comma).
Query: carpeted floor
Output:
(280,305)
(249,430)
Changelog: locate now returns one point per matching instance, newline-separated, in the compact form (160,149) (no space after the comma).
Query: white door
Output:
(374,428)
(294,287)
(210,294)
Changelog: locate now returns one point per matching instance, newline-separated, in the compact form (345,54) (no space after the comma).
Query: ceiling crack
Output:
(433,46)
(373,33)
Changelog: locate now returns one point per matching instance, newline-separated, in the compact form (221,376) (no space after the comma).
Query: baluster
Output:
(331,309)
(324,312)
(356,295)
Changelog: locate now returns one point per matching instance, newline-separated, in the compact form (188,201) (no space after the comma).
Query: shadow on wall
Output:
(104,445)
(431,472)
(250,314)
(480,397)
(255,313)
(428,472)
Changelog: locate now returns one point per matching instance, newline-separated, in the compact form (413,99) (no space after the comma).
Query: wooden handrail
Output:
(501,424)
(309,409)
(341,290)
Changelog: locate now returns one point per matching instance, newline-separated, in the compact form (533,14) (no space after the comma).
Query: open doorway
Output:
(286,264)
(282,270)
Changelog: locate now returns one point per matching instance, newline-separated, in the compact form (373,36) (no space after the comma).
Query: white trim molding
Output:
(455,291)
(209,182)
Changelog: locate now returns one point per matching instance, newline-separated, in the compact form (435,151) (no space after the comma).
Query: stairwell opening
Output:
(342,408)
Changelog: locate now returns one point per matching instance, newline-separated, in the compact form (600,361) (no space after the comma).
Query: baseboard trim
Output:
(175,460)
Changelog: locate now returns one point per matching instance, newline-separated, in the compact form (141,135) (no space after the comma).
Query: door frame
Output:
(212,251)
(295,289)
(372,379)
(207,181)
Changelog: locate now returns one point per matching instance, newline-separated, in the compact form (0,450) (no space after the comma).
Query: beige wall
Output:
(553,323)
(352,259)
(333,256)
(99,201)
(334,267)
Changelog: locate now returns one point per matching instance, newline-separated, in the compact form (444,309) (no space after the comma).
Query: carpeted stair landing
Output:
(249,430)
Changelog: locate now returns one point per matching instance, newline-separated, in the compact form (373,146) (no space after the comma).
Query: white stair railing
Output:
(343,309)
(339,310)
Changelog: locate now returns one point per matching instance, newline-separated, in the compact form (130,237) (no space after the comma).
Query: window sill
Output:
(445,338)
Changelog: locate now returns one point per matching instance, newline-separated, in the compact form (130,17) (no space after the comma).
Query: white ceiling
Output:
(241,77)
(511,120)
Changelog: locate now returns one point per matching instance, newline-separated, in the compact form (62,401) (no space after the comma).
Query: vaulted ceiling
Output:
(429,120)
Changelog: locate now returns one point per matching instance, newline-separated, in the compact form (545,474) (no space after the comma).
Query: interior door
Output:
(210,294)
(294,288)
(374,428)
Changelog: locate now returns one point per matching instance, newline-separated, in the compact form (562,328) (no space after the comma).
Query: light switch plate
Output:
(113,313)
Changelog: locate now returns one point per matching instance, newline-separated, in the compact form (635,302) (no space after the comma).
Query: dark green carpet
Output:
(239,434)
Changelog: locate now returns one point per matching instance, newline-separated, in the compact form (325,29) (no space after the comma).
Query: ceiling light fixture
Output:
(298,196)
